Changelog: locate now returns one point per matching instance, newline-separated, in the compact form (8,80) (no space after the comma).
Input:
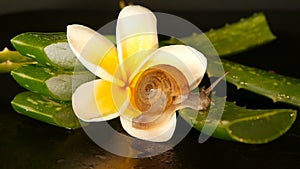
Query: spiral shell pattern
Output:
(154,94)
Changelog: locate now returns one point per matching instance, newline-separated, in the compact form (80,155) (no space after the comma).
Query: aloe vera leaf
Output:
(10,60)
(278,87)
(232,112)
(45,109)
(241,124)
(55,83)
(230,39)
(49,49)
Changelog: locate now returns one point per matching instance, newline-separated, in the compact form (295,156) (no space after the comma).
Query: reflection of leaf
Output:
(10,60)
(241,124)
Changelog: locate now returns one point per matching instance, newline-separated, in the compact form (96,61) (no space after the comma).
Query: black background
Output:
(27,143)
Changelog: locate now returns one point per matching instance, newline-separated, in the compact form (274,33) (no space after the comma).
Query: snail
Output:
(160,91)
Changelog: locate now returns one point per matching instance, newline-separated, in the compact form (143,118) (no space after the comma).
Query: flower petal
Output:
(188,60)
(136,31)
(93,101)
(159,134)
(94,51)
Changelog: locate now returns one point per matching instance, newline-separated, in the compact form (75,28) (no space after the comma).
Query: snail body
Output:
(160,91)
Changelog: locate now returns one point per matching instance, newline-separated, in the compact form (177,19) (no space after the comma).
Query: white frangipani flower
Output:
(141,83)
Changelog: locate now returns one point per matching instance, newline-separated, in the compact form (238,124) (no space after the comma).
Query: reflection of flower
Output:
(139,82)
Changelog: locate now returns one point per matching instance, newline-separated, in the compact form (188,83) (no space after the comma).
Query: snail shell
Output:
(156,94)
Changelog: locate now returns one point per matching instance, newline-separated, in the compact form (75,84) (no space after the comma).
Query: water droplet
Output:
(243,83)
(292,115)
(281,96)
(235,77)
(240,139)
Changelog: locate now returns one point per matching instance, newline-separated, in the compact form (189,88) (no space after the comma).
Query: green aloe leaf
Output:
(238,123)
(49,49)
(10,60)
(277,87)
(46,109)
(47,81)
(230,39)
(241,124)
(237,37)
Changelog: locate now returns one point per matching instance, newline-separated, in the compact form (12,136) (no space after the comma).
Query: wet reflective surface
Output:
(27,143)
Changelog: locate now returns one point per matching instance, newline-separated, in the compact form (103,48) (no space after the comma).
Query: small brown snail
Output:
(161,91)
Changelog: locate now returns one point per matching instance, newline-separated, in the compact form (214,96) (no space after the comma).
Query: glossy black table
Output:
(29,144)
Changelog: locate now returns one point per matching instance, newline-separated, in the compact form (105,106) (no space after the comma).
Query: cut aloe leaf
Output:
(277,87)
(49,49)
(232,38)
(45,109)
(55,83)
(237,37)
(241,124)
(10,60)
(238,123)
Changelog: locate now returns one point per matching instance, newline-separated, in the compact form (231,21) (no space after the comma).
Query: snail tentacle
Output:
(201,100)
